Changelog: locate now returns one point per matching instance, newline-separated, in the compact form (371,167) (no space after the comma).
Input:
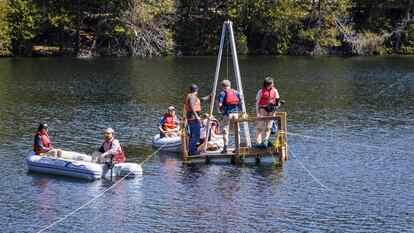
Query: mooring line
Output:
(408,75)
(300,162)
(106,190)
(322,126)
(354,144)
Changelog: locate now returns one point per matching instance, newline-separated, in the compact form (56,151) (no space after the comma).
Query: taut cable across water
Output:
(300,162)
(399,80)
(106,190)
(353,144)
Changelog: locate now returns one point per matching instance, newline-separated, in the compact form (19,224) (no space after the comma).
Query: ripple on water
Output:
(369,189)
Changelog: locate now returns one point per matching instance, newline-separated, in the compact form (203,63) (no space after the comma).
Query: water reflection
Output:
(331,98)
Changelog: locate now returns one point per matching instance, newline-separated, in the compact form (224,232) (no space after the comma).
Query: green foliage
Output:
(23,19)
(408,44)
(153,27)
(5,41)
(321,29)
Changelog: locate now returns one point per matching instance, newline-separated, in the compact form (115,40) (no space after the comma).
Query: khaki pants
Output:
(97,158)
(263,128)
(57,153)
(228,125)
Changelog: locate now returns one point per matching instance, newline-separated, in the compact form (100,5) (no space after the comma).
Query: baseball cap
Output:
(193,88)
(109,130)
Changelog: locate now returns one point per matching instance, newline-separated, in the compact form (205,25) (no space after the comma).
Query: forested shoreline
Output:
(192,27)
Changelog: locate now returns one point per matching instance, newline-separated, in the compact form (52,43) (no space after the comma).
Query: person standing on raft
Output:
(42,144)
(111,150)
(193,109)
(229,101)
(267,101)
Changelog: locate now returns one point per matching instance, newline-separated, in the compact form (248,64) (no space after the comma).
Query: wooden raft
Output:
(241,154)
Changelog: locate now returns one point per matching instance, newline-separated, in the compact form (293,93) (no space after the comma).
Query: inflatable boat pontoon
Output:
(78,168)
(167,144)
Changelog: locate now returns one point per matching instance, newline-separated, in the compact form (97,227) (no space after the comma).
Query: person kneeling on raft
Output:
(169,124)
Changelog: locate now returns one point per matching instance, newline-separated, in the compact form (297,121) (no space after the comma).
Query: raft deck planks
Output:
(244,154)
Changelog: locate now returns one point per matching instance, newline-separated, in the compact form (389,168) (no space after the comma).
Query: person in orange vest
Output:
(110,149)
(42,144)
(267,100)
(169,124)
(193,109)
(229,102)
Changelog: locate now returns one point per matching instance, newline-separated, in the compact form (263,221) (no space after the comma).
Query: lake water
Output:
(351,125)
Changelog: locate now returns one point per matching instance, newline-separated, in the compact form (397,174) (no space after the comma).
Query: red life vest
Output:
(120,155)
(268,97)
(231,97)
(170,121)
(45,141)
(197,104)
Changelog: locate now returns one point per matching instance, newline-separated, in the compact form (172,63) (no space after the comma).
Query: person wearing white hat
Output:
(110,149)
(169,124)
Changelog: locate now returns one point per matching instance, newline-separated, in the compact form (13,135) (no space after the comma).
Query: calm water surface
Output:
(351,133)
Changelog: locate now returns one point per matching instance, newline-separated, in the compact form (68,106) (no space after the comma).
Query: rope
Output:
(300,162)
(408,75)
(106,190)
(354,144)
(146,160)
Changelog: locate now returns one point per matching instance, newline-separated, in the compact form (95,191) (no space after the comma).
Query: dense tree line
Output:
(192,27)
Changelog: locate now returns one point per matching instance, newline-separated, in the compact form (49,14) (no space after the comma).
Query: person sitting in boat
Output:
(229,102)
(42,144)
(212,142)
(169,124)
(267,101)
(110,150)
(193,109)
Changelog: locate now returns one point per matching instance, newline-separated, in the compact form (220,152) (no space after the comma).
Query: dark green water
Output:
(359,144)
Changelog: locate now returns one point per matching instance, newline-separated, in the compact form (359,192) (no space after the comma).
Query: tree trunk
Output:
(316,48)
(61,34)
(205,10)
(399,39)
(264,44)
(77,37)
(311,14)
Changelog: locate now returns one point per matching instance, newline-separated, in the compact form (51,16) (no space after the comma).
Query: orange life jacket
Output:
(231,97)
(197,104)
(45,141)
(268,97)
(170,121)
